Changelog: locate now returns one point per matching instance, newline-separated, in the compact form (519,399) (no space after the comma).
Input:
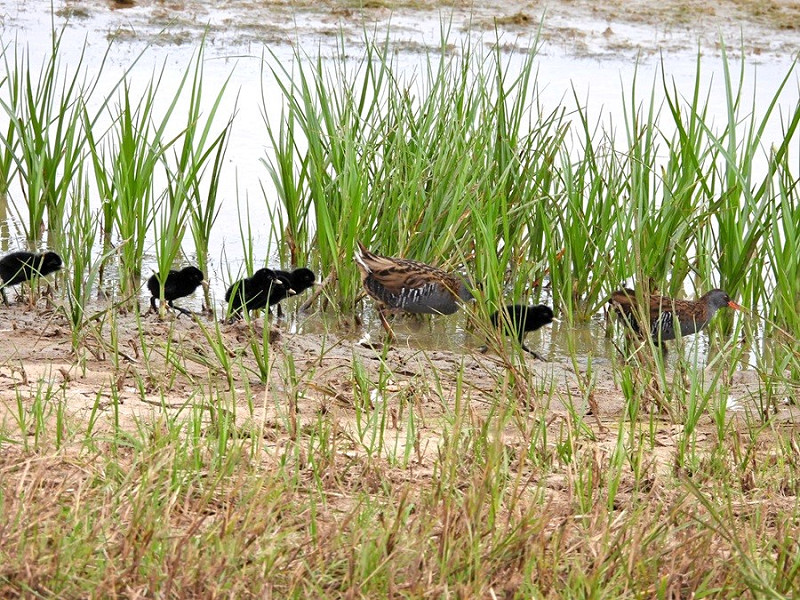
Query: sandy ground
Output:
(38,361)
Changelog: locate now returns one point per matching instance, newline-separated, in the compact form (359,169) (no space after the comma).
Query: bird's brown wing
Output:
(396,274)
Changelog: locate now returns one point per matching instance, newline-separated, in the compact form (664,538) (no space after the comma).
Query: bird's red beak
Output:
(735,306)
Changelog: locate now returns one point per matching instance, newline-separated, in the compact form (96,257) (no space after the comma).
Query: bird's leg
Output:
(528,350)
(233,314)
(3,293)
(524,347)
(180,310)
(153,307)
(50,295)
(386,325)
(279,310)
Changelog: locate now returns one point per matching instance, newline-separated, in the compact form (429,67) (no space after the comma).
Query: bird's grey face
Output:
(718,299)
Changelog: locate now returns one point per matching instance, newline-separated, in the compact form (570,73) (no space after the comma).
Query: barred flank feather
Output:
(410,285)
(663,312)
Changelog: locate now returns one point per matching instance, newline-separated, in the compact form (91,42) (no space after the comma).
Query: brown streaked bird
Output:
(401,284)
(690,315)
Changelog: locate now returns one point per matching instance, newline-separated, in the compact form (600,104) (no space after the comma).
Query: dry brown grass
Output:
(429,489)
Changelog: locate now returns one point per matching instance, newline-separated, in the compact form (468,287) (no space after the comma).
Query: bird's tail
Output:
(362,255)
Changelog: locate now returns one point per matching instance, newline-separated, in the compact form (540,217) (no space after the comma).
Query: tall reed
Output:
(183,199)
(204,208)
(81,258)
(783,309)
(333,110)
(742,217)
(408,167)
(10,87)
(44,138)
(126,162)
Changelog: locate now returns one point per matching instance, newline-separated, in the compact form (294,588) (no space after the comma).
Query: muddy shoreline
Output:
(578,28)
(36,346)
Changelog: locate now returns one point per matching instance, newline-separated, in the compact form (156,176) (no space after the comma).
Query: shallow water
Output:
(236,46)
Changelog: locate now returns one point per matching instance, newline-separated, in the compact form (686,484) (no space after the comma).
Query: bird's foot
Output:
(183,311)
(232,319)
(535,355)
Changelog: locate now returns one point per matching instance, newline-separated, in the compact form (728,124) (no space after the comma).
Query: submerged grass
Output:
(210,459)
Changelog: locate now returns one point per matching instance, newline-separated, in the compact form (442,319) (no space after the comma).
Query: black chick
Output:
(178,285)
(518,320)
(252,293)
(22,266)
(295,282)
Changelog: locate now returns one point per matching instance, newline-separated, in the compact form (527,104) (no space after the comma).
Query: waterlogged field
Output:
(148,455)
